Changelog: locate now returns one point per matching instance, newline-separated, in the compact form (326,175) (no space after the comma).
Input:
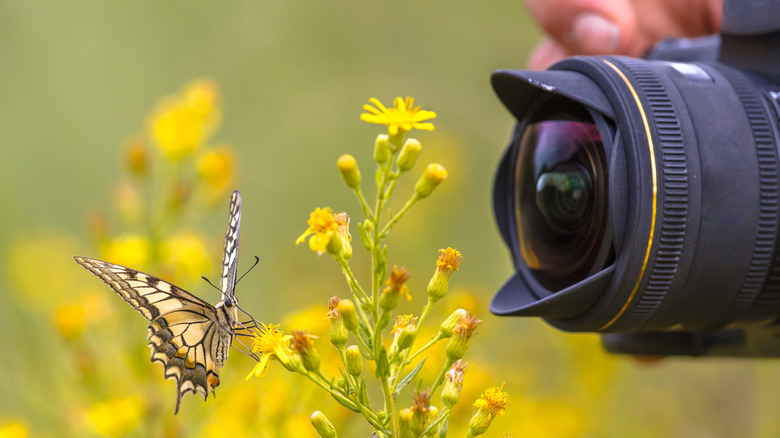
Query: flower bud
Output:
(449,324)
(448,262)
(349,170)
(343,235)
(382,151)
(338,333)
(490,405)
(303,344)
(408,155)
(453,383)
(394,287)
(354,361)
(462,336)
(433,176)
(348,314)
(405,418)
(322,425)
(137,157)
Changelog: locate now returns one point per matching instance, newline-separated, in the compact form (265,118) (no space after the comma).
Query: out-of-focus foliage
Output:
(78,81)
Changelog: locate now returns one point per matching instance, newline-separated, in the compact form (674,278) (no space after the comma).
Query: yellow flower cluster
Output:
(182,123)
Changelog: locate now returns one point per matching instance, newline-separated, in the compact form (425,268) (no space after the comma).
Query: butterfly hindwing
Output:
(230,254)
(192,346)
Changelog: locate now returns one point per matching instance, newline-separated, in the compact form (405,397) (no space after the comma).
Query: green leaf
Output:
(408,378)
(364,237)
(344,403)
(364,394)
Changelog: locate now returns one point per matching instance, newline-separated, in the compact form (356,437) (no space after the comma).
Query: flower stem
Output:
(440,379)
(398,216)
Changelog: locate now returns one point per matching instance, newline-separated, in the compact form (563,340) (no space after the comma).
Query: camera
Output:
(640,198)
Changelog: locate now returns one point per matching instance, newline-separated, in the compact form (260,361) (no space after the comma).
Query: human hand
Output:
(624,27)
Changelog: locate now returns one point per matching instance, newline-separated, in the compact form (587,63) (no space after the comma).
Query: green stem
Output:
(440,379)
(319,380)
(426,309)
(398,215)
(445,413)
(367,213)
(357,292)
(389,408)
(430,343)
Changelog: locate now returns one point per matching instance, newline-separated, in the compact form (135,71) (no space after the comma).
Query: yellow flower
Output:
(116,417)
(182,123)
(131,250)
(492,404)
(323,226)
(217,167)
(185,256)
(14,429)
(272,343)
(69,319)
(401,118)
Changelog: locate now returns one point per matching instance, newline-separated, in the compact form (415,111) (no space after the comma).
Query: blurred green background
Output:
(78,78)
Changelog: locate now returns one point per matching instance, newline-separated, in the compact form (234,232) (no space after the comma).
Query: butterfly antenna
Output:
(257,260)
(212,284)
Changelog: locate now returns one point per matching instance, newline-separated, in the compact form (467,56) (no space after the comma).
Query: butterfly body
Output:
(189,336)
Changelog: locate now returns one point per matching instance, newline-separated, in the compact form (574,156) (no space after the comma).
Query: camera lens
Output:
(561,187)
(563,196)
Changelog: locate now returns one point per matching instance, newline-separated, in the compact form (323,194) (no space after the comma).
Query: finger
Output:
(547,53)
(587,27)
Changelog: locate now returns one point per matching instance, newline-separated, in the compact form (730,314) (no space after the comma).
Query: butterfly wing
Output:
(185,334)
(230,256)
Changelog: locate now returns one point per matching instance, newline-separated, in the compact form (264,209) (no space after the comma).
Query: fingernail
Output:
(593,34)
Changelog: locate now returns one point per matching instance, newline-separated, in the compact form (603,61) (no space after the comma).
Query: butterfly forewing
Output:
(230,255)
(185,334)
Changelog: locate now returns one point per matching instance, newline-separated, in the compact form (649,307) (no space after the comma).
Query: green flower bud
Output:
(338,333)
(348,314)
(462,336)
(382,151)
(322,425)
(433,176)
(405,418)
(349,170)
(449,324)
(303,344)
(453,383)
(354,361)
(408,155)
(448,262)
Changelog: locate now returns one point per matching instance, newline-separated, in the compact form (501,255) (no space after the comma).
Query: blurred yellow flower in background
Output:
(69,319)
(217,168)
(402,117)
(185,256)
(116,417)
(128,250)
(181,124)
(14,429)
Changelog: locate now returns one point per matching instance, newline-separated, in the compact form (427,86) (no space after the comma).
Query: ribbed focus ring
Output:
(760,303)
(673,208)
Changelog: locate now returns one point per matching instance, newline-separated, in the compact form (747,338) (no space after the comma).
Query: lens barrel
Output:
(640,195)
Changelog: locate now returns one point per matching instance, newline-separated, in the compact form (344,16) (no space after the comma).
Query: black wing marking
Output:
(230,256)
(149,295)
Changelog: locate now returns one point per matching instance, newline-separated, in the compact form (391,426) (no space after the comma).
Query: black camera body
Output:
(640,198)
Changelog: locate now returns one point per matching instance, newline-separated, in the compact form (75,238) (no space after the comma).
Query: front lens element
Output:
(561,184)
